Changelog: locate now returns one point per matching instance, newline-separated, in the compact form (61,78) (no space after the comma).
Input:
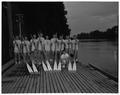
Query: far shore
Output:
(95,40)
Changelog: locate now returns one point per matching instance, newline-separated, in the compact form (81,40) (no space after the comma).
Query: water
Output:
(101,54)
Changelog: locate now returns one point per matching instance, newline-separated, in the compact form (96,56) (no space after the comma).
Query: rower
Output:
(26,48)
(75,48)
(66,44)
(53,45)
(17,44)
(40,47)
(47,47)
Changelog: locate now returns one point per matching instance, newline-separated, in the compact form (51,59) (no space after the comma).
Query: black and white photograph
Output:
(59,47)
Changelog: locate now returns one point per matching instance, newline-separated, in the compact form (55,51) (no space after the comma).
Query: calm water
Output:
(100,54)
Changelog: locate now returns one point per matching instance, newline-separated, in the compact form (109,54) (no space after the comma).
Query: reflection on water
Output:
(100,54)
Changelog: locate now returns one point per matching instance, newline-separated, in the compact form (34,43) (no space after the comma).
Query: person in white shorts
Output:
(66,44)
(40,42)
(69,45)
(53,45)
(75,47)
(62,43)
(32,45)
(26,49)
(40,47)
(17,46)
(47,43)
(58,49)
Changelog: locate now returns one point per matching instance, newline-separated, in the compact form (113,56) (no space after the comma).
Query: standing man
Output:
(53,45)
(40,43)
(47,48)
(17,46)
(75,48)
(27,48)
(33,44)
(66,41)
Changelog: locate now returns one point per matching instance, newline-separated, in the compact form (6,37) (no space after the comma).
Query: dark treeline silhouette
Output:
(109,34)
(46,17)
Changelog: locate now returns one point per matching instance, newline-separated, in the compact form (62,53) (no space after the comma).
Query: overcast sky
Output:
(88,16)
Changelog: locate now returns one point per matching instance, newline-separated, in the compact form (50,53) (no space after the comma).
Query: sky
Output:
(90,16)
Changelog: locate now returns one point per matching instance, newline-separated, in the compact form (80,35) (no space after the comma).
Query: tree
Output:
(49,17)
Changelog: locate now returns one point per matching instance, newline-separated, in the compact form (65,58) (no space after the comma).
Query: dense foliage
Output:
(46,17)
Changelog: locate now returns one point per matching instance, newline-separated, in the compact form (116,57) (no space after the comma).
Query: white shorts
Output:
(53,48)
(16,50)
(24,50)
(47,48)
(39,47)
(33,48)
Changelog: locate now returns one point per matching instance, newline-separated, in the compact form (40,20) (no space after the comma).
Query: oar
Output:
(44,66)
(34,67)
(55,62)
(59,65)
(33,63)
(47,62)
(74,64)
(39,42)
(48,65)
(70,66)
(29,68)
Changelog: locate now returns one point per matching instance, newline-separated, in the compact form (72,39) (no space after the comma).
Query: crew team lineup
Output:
(52,54)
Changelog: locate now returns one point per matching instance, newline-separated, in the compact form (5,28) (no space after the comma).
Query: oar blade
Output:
(34,68)
(59,66)
(55,65)
(48,65)
(29,68)
(44,67)
(70,66)
(74,66)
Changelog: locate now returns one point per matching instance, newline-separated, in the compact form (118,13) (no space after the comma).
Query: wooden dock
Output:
(84,80)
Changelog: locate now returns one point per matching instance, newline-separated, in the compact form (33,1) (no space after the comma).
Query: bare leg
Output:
(19,59)
(15,58)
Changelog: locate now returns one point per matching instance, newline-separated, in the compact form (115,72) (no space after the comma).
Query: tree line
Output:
(109,34)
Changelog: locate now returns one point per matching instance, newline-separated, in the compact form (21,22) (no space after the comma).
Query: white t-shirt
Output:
(47,45)
(17,44)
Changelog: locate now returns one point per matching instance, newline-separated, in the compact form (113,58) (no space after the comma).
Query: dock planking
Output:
(83,80)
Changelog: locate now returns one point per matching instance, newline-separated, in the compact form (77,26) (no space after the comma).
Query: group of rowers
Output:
(44,50)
